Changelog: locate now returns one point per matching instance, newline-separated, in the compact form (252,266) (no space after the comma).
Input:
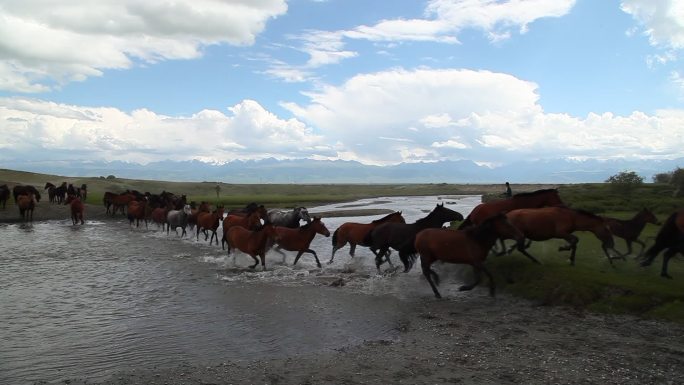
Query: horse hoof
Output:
(465,288)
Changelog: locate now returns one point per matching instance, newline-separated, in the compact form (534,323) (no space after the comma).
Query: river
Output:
(88,301)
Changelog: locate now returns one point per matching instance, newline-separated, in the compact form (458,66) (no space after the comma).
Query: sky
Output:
(375,81)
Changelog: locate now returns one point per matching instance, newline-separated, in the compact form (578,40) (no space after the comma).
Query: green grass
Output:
(593,284)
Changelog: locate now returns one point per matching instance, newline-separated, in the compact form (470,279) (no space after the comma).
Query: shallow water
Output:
(88,301)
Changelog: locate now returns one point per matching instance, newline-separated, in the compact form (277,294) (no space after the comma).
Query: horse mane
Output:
(535,193)
(386,217)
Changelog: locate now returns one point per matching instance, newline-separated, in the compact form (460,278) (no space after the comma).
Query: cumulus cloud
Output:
(426,114)
(246,131)
(662,20)
(58,42)
(443,20)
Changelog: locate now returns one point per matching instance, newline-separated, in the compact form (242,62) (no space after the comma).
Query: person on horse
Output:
(508,192)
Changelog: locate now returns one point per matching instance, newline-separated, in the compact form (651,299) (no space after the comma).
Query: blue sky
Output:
(375,81)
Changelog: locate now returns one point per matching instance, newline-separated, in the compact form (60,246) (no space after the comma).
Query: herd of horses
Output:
(524,218)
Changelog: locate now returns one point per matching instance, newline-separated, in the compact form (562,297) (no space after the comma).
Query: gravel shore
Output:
(474,339)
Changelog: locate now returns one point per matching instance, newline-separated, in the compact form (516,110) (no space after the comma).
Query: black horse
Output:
(670,238)
(25,190)
(4,195)
(401,236)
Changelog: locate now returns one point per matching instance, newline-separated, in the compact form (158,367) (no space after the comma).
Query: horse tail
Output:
(466,223)
(334,238)
(408,259)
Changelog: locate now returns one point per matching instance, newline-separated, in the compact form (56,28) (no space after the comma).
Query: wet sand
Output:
(468,338)
(472,339)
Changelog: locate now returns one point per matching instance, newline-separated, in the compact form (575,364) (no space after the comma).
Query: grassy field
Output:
(593,284)
(270,195)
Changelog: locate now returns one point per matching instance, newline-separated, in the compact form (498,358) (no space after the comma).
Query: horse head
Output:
(303,214)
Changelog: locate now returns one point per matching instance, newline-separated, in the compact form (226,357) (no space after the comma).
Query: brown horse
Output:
(194,213)
(25,190)
(76,207)
(630,229)
(4,195)
(539,198)
(299,239)
(354,233)
(670,238)
(469,246)
(118,201)
(159,216)
(250,222)
(251,242)
(26,204)
(136,211)
(546,223)
(209,221)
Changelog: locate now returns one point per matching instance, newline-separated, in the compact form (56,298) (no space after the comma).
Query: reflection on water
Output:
(86,301)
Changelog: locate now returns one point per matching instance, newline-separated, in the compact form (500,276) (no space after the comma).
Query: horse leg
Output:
(379,255)
(643,246)
(256,261)
(263,259)
(477,270)
(307,251)
(492,285)
(428,273)
(666,258)
(522,249)
(352,249)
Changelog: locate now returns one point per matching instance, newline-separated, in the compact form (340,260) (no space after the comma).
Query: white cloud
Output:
(444,19)
(248,132)
(45,42)
(464,114)
(663,20)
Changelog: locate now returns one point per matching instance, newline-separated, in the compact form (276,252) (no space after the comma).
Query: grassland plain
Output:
(473,339)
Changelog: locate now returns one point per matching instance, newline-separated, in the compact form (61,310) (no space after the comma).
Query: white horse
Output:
(178,218)
(288,218)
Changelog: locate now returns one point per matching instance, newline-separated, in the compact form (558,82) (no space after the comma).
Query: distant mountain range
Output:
(319,171)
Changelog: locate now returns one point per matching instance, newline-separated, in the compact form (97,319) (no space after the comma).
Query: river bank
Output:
(473,339)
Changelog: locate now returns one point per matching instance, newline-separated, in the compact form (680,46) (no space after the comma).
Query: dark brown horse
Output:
(137,211)
(248,209)
(670,238)
(250,222)
(25,190)
(117,201)
(546,223)
(354,233)
(401,236)
(76,208)
(630,229)
(299,239)
(4,195)
(251,242)
(469,246)
(209,222)
(26,204)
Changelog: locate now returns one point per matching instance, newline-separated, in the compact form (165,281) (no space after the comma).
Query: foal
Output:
(630,229)
(76,207)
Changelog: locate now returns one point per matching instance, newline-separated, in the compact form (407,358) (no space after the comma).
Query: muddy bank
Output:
(472,339)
